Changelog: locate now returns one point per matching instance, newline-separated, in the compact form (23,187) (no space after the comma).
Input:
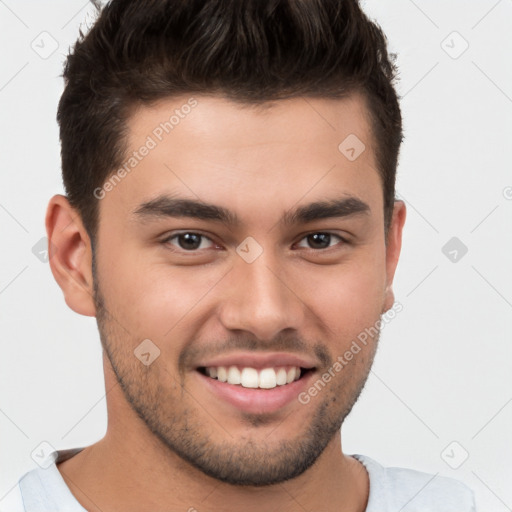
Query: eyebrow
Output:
(168,206)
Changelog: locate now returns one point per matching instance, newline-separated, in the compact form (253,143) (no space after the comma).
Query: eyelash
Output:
(167,240)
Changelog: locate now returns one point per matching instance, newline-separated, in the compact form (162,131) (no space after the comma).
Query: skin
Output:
(172,444)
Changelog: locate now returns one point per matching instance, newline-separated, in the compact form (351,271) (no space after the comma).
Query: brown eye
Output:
(321,240)
(188,241)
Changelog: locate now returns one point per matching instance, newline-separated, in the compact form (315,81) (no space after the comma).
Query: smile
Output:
(256,383)
(248,377)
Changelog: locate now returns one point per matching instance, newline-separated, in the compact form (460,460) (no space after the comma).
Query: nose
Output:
(262,298)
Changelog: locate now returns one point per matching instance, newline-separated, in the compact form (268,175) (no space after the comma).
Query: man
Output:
(230,221)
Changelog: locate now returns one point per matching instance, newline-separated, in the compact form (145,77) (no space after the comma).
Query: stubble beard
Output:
(246,462)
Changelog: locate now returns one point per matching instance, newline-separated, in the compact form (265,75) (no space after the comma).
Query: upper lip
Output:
(258,360)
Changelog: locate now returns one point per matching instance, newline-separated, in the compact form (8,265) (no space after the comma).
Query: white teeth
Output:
(249,378)
(266,378)
(233,375)
(281,377)
(222,374)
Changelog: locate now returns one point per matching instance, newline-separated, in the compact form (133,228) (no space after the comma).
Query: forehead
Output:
(202,121)
(238,155)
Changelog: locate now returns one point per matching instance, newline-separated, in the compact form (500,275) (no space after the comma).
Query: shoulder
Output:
(43,488)
(414,491)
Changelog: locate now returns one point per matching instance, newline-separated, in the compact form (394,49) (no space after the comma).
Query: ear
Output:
(70,255)
(393,246)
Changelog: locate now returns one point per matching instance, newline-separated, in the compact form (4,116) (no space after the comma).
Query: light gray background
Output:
(443,369)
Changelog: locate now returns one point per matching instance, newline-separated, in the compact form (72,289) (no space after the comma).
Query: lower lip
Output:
(255,400)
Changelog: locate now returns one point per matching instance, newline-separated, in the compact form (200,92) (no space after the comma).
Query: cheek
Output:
(151,297)
(349,298)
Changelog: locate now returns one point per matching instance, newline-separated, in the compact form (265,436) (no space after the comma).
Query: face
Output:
(243,245)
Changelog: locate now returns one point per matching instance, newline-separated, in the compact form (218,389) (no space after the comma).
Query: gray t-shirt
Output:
(391,490)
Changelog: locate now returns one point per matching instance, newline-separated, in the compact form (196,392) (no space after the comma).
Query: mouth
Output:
(256,383)
(254,378)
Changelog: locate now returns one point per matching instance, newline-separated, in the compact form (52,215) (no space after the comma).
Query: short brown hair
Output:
(250,51)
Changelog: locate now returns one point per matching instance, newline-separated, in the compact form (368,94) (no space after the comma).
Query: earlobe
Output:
(389,299)
(70,255)
(393,247)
